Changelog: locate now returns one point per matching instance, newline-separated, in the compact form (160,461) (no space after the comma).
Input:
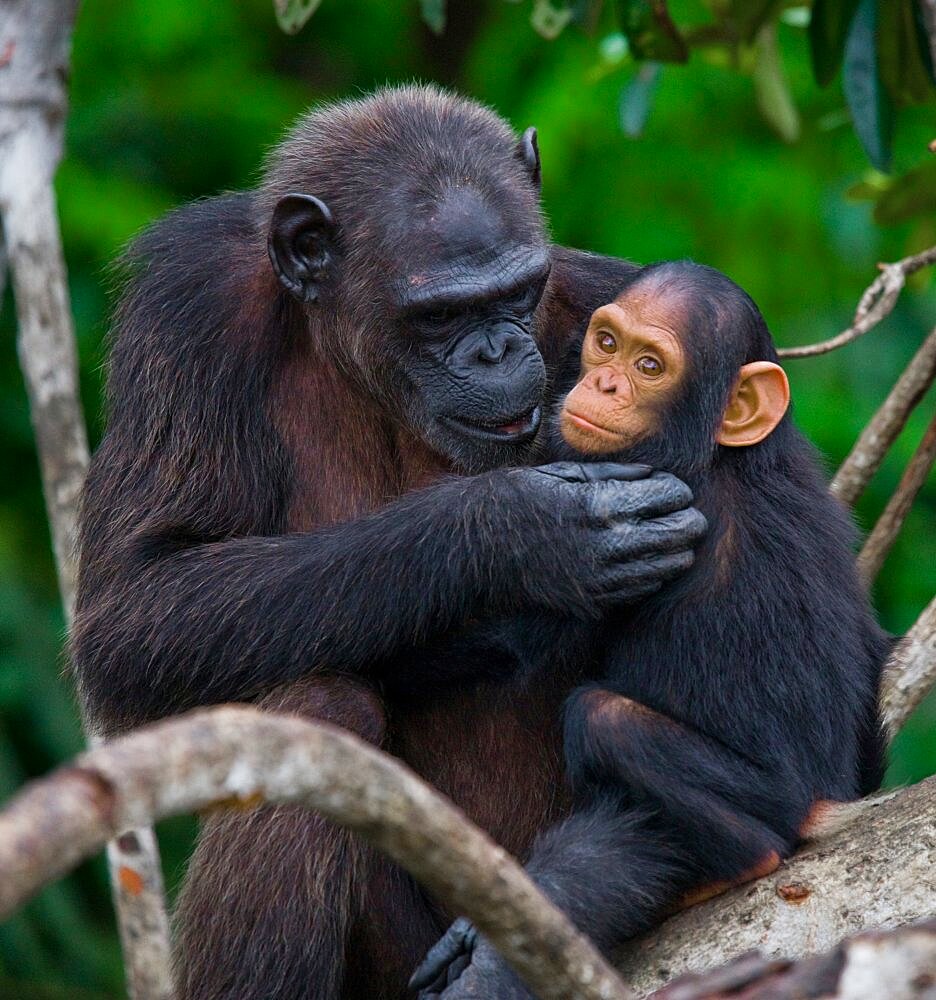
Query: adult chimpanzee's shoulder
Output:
(187,429)
(585,280)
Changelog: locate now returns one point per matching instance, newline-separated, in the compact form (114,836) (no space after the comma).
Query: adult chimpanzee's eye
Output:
(606,342)
(648,365)
(436,317)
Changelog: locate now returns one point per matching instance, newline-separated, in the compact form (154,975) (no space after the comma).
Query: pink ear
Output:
(758,402)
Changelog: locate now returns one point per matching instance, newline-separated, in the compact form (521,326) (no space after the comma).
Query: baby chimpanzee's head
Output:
(678,365)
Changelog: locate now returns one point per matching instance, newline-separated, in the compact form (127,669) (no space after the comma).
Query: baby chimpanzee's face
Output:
(633,362)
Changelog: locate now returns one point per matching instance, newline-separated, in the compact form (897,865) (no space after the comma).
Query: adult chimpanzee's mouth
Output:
(515,430)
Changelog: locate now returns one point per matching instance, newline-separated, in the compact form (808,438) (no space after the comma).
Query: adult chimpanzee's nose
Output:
(496,344)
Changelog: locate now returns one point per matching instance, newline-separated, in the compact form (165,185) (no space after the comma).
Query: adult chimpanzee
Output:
(287,364)
(729,706)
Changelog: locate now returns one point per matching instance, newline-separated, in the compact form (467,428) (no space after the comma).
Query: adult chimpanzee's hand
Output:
(612,533)
(463,966)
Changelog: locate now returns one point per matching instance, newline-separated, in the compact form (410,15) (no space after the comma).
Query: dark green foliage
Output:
(651,32)
(828,29)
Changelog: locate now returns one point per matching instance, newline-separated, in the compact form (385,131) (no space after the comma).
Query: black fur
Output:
(727,705)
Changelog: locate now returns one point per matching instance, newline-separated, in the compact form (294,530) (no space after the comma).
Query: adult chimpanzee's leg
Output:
(256,921)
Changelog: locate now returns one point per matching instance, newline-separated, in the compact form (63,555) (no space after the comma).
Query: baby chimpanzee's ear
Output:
(758,401)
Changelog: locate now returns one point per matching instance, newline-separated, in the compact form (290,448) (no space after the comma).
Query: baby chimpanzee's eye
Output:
(649,366)
(606,342)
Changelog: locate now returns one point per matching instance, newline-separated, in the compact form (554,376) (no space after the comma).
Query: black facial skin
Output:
(477,374)
(721,709)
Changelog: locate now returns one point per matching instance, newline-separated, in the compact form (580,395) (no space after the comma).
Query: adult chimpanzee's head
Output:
(407,224)
(679,366)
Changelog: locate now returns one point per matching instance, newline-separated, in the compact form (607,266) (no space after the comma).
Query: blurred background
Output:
(737,158)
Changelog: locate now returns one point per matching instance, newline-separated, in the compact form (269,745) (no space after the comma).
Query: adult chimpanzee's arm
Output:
(186,624)
(663,812)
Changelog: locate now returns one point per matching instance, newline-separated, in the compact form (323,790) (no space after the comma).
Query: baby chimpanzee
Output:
(730,706)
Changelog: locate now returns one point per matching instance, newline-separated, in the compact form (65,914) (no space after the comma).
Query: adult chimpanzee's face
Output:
(425,293)
(466,300)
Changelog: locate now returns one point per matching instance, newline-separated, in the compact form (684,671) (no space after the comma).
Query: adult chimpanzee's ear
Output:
(302,244)
(759,400)
(528,155)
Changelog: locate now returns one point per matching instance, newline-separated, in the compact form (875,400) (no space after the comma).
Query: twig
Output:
(877,873)
(884,534)
(869,450)
(911,671)
(35,43)
(875,304)
(241,755)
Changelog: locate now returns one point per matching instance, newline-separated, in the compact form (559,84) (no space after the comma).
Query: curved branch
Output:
(875,304)
(877,873)
(239,754)
(869,450)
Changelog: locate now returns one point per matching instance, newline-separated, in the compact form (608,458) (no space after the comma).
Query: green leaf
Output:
(828,29)
(909,196)
(771,88)
(900,53)
(433,13)
(291,15)
(870,105)
(549,20)
(651,32)
(637,98)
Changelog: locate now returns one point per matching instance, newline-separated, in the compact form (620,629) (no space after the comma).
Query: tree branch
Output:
(878,873)
(875,304)
(884,534)
(871,966)
(869,450)
(35,40)
(241,755)
(910,673)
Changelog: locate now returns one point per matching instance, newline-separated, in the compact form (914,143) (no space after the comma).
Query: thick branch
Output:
(911,671)
(871,966)
(866,456)
(876,873)
(882,537)
(875,304)
(244,755)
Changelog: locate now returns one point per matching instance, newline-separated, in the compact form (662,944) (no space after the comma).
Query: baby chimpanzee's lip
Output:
(588,425)
(514,430)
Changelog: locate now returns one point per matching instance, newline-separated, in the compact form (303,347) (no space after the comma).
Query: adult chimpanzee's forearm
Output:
(226,620)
